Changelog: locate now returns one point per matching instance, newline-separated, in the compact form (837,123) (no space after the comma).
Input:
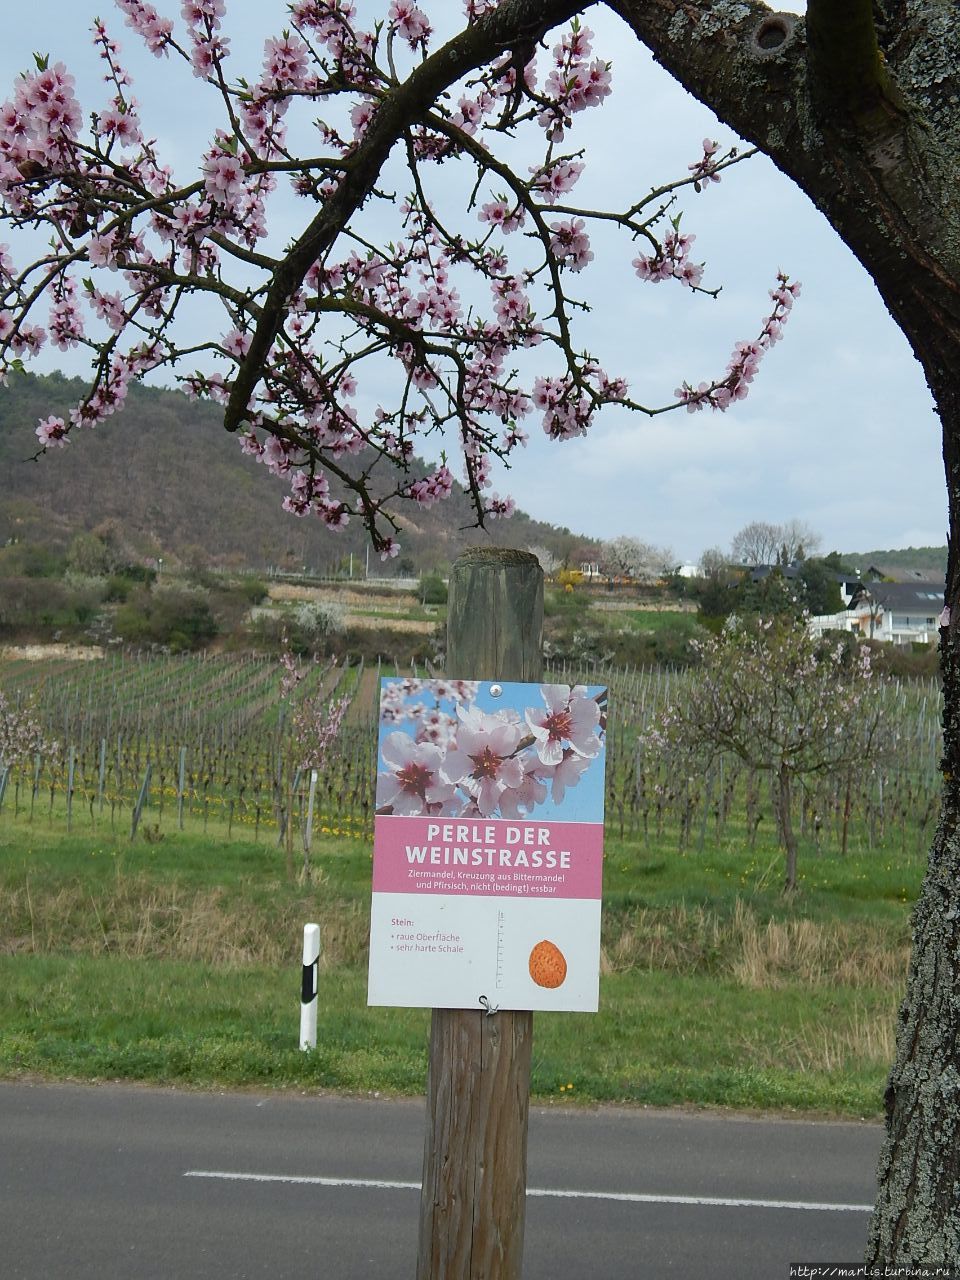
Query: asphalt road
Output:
(104,1182)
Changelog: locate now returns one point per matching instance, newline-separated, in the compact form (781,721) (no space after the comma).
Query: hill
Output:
(179,487)
(901,558)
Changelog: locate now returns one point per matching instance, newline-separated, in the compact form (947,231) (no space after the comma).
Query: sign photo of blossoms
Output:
(488,847)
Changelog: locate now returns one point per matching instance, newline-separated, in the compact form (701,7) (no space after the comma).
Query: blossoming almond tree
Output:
(784,703)
(427,304)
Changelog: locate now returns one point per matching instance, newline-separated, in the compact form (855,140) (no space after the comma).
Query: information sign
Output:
(488,845)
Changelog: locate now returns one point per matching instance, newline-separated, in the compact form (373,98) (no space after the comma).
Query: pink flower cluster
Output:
(316,720)
(39,124)
(570,244)
(670,262)
(411,23)
(575,83)
(433,488)
(551,180)
(147,23)
(704,170)
(479,763)
(745,361)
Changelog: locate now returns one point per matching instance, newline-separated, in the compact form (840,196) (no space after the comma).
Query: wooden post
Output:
(472,1206)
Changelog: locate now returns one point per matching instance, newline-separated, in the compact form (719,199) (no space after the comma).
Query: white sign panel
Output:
(488,846)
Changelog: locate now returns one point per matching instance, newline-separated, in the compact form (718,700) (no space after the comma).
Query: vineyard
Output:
(168,742)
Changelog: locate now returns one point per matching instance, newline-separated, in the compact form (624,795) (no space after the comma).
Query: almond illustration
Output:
(548,965)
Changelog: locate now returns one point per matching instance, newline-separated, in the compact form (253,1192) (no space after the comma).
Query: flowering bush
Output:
(21,737)
(315,721)
(313,338)
(782,701)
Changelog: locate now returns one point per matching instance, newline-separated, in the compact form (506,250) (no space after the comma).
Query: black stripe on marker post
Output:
(310,982)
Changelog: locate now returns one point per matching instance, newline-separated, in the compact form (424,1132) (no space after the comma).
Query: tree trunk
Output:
(785,820)
(917,1215)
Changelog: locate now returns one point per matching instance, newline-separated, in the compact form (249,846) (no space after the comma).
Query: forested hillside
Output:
(902,558)
(180,487)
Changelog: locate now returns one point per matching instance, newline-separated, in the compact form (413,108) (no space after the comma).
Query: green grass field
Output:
(178,959)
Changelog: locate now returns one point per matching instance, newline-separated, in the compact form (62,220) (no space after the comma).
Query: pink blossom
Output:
(206,13)
(411,22)
(704,170)
(236,343)
(66,323)
(484,762)
(498,508)
(566,774)
(144,19)
(109,307)
(285,63)
(120,122)
(475,9)
(21,736)
(672,261)
(554,179)
(413,780)
(499,214)
(569,721)
(433,488)
(223,175)
(361,115)
(52,433)
(207,54)
(743,364)
(517,802)
(570,244)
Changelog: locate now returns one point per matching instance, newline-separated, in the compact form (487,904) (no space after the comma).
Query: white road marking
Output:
(627,1197)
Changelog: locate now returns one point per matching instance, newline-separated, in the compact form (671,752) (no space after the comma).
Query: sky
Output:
(839,428)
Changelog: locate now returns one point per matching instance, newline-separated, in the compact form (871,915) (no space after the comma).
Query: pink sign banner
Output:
(428,855)
(488,845)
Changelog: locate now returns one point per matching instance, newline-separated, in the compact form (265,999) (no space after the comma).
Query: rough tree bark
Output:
(858,104)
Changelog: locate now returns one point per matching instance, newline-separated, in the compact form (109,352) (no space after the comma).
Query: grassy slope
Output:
(179,961)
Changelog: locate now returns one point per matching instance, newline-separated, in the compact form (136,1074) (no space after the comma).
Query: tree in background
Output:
(763,543)
(819,586)
(635,559)
(856,102)
(548,562)
(798,541)
(784,703)
(756,543)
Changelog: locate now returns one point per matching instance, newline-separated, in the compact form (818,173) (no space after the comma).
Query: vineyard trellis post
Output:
(181,776)
(71,769)
(102,773)
(473,1198)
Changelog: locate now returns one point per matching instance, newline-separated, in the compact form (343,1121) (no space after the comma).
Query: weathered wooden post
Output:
(473,1201)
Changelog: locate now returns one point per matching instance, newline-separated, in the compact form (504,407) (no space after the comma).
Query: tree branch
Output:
(400,108)
(844,60)
(744,61)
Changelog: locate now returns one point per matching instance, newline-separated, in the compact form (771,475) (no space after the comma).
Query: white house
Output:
(896,612)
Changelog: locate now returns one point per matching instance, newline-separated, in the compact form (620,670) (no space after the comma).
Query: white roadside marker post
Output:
(309,987)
